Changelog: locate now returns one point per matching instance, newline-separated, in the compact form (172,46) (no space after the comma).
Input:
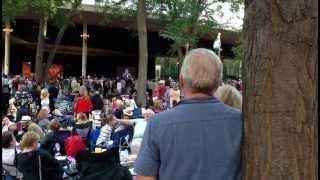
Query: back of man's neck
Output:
(196,95)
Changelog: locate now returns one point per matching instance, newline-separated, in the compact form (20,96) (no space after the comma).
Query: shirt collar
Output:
(208,99)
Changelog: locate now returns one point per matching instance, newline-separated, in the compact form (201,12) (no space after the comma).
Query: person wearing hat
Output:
(23,126)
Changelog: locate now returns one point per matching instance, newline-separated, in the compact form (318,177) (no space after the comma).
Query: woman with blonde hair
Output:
(83,104)
(157,106)
(37,129)
(45,100)
(83,127)
(229,95)
(35,163)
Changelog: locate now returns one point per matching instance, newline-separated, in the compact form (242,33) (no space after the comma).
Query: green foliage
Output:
(10,8)
(188,20)
(169,67)
(185,20)
(233,68)
(238,50)
(116,9)
(43,8)
(61,20)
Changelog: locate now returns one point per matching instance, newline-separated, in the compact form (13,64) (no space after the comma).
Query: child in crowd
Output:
(104,138)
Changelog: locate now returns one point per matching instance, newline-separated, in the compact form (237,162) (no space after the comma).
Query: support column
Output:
(84,37)
(7,31)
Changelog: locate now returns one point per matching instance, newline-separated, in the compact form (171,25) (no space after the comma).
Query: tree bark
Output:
(180,59)
(39,53)
(143,53)
(280,98)
(53,53)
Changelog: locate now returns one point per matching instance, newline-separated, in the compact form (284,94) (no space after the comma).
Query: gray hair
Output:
(202,71)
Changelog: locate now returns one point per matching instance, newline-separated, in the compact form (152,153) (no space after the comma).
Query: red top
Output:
(162,91)
(83,105)
(155,91)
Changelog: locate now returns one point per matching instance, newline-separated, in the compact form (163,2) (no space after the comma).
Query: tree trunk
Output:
(180,60)
(143,53)
(280,98)
(39,53)
(54,51)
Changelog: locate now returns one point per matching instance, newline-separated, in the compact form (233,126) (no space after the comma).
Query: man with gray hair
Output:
(200,138)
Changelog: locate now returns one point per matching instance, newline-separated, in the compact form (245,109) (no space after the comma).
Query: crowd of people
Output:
(47,128)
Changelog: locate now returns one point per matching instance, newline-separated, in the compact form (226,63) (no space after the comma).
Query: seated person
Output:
(121,131)
(43,119)
(104,138)
(37,129)
(64,103)
(31,160)
(53,142)
(139,127)
(83,127)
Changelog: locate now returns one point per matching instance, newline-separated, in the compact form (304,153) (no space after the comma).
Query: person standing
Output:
(200,138)
(9,157)
(83,104)
(45,99)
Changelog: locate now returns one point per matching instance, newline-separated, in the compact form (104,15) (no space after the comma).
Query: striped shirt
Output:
(105,135)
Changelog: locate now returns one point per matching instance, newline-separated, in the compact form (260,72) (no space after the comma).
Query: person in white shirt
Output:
(9,152)
(119,87)
(44,96)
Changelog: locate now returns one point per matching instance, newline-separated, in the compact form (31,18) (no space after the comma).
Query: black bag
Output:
(105,165)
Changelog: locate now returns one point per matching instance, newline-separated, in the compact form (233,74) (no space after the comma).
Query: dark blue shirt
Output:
(197,139)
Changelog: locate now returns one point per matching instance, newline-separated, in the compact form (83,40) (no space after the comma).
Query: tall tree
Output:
(143,52)
(62,21)
(280,97)
(49,10)
(187,20)
(46,10)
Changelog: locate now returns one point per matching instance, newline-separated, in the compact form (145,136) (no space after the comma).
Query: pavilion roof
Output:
(94,17)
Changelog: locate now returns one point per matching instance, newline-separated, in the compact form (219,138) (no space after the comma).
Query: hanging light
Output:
(84,36)
(7,29)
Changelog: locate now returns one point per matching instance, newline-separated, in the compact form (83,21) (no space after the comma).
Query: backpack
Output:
(73,145)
